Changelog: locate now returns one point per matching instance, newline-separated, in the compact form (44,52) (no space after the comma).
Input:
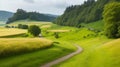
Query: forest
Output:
(87,12)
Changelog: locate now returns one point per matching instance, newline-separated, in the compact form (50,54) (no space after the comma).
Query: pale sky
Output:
(56,7)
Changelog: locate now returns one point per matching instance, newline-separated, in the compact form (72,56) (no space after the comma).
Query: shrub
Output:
(56,35)
(79,26)
(12,27)
(34,30)
(24,26)
(7,26)
(84,36)
(21,26)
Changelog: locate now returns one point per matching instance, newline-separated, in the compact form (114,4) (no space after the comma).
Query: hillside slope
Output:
(24,15)
(106,55)
(88,12)
(4,15)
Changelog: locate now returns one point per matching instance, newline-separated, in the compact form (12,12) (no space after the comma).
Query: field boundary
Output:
(10,36)
(79,50)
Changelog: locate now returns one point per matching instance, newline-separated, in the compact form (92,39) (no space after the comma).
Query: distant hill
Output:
(89,11)
(52,15)
(34,16)
(4,15)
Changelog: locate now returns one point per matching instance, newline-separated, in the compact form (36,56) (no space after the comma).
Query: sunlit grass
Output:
(16,45)
(38,57)
(11,31)
(106,55)
(45,26)
(39,23)
(58,30)
(98,51)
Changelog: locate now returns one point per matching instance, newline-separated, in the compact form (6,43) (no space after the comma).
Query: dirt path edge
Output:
(59,60)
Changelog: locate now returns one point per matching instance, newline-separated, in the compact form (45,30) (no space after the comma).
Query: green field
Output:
(98,50)
(39,57)
(22,51)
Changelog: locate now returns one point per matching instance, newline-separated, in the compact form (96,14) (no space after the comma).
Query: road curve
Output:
(79,50)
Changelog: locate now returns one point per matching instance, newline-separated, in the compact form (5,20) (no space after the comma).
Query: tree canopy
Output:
(89,11)
(34,30)
(111,16)
(22,15)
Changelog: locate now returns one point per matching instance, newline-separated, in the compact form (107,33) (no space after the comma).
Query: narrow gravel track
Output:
(79,50)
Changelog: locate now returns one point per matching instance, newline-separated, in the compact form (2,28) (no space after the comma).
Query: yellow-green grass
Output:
(107,55)
(45,26)
(98,25)
(73,35)
(58,31)
(94,55)
(21,45)
(89,41)
(84,59)
(11,31)
(39,57)
(39,23)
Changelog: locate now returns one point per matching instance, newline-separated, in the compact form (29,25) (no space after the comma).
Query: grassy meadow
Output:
(90,41)
(98,50)
(19,51)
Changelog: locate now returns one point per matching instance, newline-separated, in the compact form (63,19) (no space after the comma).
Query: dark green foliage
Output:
(88,12)
(19,15)
(24,26)
(7,26)
(111,16)
(79,26)
(12,27)
(34,30)
(56,35)
(21,26)
(22,15)
(39,17)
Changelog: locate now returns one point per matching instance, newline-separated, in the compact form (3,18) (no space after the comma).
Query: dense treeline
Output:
(22,15)
(88,12)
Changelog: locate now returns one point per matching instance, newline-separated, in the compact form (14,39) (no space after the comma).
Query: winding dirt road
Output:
(79,50)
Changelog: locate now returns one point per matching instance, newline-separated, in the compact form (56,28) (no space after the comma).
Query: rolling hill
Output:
(4,15)
(34,16)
